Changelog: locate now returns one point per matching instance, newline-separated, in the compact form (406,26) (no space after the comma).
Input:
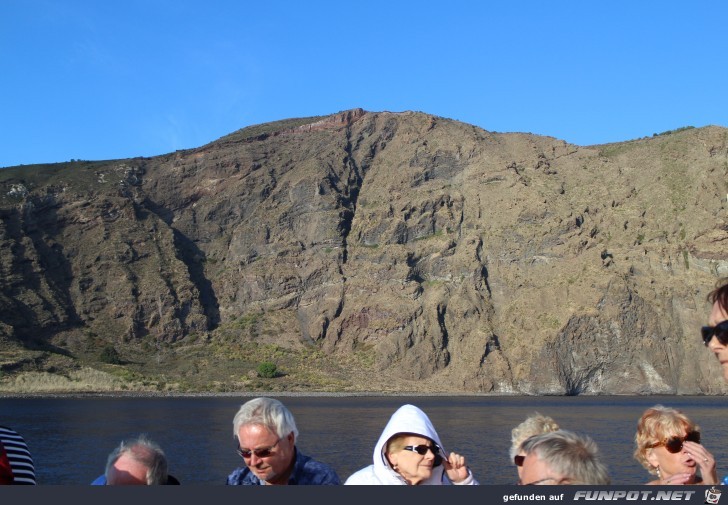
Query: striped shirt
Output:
(19,456)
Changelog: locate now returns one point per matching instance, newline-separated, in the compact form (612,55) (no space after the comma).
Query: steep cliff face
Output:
(441,256)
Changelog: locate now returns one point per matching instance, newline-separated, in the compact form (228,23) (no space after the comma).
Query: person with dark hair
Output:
(562,457)
(409,452)
(136,462)
(16,450)
(715,335)
(266,436)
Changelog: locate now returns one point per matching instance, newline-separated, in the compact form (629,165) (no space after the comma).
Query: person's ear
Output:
(651,457)
(291,439)
(393,457)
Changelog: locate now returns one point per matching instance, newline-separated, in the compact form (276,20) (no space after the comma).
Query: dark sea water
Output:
(70,438)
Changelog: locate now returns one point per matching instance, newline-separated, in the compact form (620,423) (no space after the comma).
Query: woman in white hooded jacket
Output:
(409,452)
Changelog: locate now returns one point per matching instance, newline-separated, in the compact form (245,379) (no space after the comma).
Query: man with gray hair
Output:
(266,435)
(136,462)
(562,457)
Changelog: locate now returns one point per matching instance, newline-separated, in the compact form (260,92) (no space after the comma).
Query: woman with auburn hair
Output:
(668,446)
(715,335)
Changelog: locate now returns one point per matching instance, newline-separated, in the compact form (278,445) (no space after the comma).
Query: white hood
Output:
(407,419)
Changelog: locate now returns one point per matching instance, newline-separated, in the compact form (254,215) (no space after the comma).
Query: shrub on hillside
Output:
(110,355)
(267,370)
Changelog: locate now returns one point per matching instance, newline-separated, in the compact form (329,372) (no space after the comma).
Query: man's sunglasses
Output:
(422,450)
(675,444)
(519,459)
(719,331)
(259,453)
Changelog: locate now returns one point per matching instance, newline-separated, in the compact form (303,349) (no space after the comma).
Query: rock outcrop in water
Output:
(410,251)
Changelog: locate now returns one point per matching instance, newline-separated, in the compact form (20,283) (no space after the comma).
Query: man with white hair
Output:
(266,434)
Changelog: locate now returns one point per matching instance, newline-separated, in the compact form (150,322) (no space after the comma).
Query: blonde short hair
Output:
(656,425)
(535,424)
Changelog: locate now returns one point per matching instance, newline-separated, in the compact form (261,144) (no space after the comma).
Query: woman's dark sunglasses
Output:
(675,444)
(259,453)
(519,459)
(719,331)
(422,450)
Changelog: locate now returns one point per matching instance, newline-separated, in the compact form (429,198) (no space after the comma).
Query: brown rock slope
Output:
(373,251)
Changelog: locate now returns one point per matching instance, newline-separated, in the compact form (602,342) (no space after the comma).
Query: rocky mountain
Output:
(370,252)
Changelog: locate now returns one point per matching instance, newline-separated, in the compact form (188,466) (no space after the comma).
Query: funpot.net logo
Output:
(641,495)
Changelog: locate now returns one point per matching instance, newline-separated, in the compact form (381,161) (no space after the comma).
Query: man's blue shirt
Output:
(306,471)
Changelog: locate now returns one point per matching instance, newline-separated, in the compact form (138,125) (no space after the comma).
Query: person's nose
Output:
(714,344)
(254,460)
(430,454)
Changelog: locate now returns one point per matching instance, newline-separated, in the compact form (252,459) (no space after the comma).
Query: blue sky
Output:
(107,79)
